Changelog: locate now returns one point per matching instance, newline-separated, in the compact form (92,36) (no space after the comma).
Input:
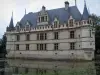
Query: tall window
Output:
(46,18)
(17,47)
(56,46)
(55,24)
(17,28)
(72,45)
(90,33)
(27,46)
(45,37)
(71,22)
(71,34)
(27,37)
(17,37)
(41,36)
(27,27)
(38,36)
(42,19)
(45,46)
(55,35)
(41,46)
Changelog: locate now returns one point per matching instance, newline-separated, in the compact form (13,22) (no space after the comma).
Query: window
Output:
(27,27)
(90,33)
(45,36)
(72,46)
(41,36)
(42,19)
(71,34)
(37,36)
(27,37)
(17,37)
(45,46)
(55,24)
(41,46)
(71,22)
(37,46)
(39,19)
(27,46)
(84,22)
(46,18)
(56,46)
(55,35)
(17,47)
(17,28)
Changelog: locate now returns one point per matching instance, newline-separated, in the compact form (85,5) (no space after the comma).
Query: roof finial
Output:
(75,3)
(25,11)
(12,14)
(84,2)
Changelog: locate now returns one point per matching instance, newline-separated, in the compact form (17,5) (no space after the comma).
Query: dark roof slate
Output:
(62,14)
(85,13)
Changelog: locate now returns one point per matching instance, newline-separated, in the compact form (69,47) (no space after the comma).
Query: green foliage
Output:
(3,45)
(96,25)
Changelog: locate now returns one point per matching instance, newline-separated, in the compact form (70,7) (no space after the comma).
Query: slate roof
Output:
(11,25)
(62,14)
(85,13)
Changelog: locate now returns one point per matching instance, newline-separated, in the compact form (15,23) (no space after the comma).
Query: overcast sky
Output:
(18,8)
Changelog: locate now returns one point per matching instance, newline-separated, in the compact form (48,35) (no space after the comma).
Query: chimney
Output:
(66,5)
(43,8)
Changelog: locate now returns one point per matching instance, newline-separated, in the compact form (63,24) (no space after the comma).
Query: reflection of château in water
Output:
(97,67)
(62,33)
(30,67)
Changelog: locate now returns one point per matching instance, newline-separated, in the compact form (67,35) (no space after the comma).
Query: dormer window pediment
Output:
(18,26)
(71,21)
(56,22)
(42,17)
(27,26)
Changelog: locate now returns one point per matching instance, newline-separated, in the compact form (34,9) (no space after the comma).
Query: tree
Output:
(3,45)
(96,25)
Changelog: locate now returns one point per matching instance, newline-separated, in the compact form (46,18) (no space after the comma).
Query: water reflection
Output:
(29,67)
(97,67)
(2,64)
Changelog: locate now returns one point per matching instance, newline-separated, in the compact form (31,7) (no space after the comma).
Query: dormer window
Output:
(42,17)
(27,27)
(71,22)
(55,23)
(18,27)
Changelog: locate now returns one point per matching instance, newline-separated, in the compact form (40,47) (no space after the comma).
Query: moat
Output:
(33,67)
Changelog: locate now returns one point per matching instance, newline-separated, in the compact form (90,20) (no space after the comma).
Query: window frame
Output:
(56,35)
(17,37)
(72,46)
(72,34)
(17,46)
(56,46)
(27,37)
(27,47)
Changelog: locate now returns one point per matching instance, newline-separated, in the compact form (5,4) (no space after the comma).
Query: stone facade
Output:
(83,39)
